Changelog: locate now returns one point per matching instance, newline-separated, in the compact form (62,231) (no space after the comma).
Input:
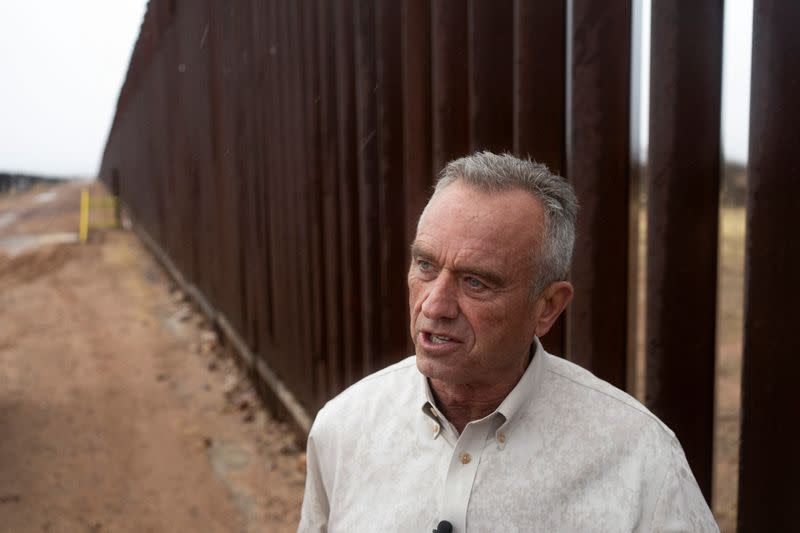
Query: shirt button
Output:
(465,458)
(435,429)
(501,438)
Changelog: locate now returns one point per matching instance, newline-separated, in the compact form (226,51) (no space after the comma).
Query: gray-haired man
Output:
(483,429)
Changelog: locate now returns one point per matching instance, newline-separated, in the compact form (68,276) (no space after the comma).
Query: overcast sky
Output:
(62,64)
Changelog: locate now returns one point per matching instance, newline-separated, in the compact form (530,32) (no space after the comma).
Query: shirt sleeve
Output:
(681,506)
(316,507)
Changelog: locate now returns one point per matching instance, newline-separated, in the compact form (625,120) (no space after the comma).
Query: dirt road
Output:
(116,411)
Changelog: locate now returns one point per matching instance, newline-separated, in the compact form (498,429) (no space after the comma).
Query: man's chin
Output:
(436,367)
(424,363)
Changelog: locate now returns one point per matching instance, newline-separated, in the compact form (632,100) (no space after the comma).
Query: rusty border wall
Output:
(279,152)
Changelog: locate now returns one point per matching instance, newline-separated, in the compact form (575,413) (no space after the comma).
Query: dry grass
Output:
(730,305)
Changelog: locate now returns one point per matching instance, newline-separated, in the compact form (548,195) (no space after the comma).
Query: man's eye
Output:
(475,283)
(424,265)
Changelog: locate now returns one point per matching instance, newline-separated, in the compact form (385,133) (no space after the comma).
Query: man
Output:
(483,429)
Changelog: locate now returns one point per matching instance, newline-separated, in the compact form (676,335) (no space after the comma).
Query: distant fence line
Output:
(22,182)
(280,151)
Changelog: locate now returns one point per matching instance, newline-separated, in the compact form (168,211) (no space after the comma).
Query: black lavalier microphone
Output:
(444,527)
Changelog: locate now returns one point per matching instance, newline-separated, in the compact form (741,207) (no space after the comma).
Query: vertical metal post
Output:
(368,169)
(347,175)
(491,76)
(332,279)
(391,187)
(310,65)
(683,207)
(539,30)
(598,157)
(84,216)
(769,466)
(450,80)
(417,138)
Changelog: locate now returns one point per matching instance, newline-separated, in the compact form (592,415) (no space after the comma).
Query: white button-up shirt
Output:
(565,451)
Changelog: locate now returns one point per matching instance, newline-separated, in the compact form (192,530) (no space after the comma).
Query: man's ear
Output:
(550,304)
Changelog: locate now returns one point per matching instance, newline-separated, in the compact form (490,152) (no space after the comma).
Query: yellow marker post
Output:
(84,220)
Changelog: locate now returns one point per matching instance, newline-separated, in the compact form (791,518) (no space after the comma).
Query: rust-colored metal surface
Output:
(331,363)
(769,467)
(366,82)
(597,164)
(417,112)
(280,152)
(450,57)
(391,186)
(491,75)
(348,193)
(539,107)
(683,207)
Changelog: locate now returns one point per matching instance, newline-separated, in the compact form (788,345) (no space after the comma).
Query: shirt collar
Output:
(511,406)
(526,387)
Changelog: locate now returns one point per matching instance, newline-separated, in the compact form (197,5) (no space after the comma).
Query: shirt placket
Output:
(461,474)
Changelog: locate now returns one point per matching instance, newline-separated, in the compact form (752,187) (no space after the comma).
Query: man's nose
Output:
(442,300)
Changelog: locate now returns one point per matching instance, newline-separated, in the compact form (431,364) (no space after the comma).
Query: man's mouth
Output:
(431,338)
(439,339)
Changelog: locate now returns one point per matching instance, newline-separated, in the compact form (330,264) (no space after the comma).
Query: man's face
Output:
(472,315)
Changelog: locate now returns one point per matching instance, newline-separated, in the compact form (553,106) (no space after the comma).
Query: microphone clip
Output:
(444,527)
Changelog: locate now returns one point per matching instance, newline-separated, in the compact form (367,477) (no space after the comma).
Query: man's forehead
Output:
(496,251)
(428,245)
(483,215)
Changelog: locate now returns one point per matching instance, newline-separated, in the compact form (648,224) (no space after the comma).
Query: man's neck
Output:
(463,403)
(460,406)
